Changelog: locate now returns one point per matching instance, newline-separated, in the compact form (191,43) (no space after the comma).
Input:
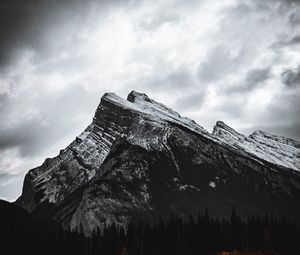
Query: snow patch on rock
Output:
(212,184)
(278,150)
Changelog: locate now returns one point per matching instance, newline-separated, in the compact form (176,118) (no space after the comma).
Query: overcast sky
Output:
(236,61)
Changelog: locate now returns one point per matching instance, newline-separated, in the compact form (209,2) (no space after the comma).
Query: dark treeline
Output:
(21,234)
(200,235)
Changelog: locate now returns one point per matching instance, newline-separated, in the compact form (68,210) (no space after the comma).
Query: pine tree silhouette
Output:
(20,233)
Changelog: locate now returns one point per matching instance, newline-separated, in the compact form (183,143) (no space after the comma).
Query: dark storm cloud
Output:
(295,40)
(34,25)
(294,19)
(253,79)
(291,77)
(288,1)
(22,135)
(22,24)
(271,3)
(256,76)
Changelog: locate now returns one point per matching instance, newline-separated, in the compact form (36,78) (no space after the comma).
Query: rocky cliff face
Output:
(140,159)
(274,149)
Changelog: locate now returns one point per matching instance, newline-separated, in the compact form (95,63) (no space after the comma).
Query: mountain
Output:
(139,159)
(275,149)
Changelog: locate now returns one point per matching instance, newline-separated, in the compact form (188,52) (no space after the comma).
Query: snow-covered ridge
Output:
(275,149)
(141,103)
(147,103)
(259,135)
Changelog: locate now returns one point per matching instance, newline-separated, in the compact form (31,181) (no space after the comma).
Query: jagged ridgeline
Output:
(138,159)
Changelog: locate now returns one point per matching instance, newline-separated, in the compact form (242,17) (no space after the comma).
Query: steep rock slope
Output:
(140,159)
(275,149)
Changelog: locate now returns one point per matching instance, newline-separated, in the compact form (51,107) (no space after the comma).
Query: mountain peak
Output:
(221,127)
(114,98)
(141,104)
(137,96)
(222,124)
(260,133)
(146,103)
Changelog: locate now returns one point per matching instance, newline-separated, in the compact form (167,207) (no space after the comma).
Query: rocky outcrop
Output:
(274,149)
(140,159)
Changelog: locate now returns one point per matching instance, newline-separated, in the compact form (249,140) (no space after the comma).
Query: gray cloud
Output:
(272,3)
(23,136)
(178,79)
(294,19)
(218,64)
(192,101)
(8,186)
(291,77)
(282,115)
(256,76)
(22,24)
(294,40)
(289,1)
(38,25)
(33,129)
(253,79)
(155,20)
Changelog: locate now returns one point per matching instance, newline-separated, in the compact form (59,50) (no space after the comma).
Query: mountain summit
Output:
(139,159)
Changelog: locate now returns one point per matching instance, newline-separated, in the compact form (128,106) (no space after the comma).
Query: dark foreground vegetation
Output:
(20,233)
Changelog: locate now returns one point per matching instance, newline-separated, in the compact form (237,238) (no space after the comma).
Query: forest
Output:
(20,233)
